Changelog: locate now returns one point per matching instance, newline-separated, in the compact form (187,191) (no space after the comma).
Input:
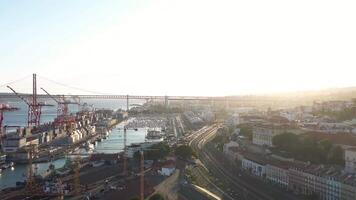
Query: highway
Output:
(242,187)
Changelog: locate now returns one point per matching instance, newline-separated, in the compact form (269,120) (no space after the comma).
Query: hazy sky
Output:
(179,47)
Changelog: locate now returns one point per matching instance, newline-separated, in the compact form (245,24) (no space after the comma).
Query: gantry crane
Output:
(34,107)
(63,116)
(4,108)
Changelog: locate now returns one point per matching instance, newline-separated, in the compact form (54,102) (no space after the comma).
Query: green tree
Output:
(336,156)
(287,142)
(184,151)
(155,152)
(246,131)
(326,145)
(156,196)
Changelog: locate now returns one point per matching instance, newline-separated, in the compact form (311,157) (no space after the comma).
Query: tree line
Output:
(307,148)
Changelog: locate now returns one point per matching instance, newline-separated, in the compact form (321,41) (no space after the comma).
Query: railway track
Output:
(244,190)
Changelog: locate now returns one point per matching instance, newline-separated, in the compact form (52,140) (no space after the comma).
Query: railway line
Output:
(241,189)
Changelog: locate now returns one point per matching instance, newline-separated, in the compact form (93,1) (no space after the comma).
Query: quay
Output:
(49,142)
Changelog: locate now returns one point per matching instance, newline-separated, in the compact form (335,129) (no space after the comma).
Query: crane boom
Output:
(18,95)
(52,97)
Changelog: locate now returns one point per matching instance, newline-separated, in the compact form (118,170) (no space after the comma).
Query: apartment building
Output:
(350,160)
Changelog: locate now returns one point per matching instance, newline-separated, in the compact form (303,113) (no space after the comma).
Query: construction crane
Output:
(77,188)
(142,172)
(63,116)
(125,153)
(4,108)
(30,182)
(142,179)
(34,107)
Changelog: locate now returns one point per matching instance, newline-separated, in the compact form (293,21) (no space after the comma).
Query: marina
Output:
(110,142)
(113,144)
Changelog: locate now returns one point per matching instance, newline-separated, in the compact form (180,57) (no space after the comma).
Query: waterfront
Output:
(113,143)
(19,117)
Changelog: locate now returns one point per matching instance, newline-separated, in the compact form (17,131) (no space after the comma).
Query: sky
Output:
(178,47)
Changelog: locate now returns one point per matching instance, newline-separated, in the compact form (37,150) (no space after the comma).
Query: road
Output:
(242,187)
(169,187)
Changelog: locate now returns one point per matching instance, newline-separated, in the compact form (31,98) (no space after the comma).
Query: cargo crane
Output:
(4,108)
(63,116)
(34,107)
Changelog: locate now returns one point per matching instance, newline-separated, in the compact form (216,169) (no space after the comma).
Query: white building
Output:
(167,169)
(254,167)
(350,160)
(263,136)
(230,149)
(277,174)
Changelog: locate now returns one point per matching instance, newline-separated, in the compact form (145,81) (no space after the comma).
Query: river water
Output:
(113,143)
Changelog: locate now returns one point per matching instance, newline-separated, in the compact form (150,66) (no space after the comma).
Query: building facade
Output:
(254,167)
(263,136)
(350,160)
(277,175)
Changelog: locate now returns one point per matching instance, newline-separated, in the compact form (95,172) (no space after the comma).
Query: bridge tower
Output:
(227,105)
(166,102)
(34,107)
(212,103)
(127,103)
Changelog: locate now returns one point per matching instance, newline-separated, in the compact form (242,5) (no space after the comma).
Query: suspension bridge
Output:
(88,94)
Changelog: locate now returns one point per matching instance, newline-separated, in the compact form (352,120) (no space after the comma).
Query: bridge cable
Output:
(15,81)
(72,87)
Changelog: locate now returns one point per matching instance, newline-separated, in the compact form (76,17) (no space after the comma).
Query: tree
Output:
(135,198)
(156,196)
(308,148)
(286,142)
(184,151)
(158,151)
(155,152)
(326,145)
(336,156)
(246,131)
